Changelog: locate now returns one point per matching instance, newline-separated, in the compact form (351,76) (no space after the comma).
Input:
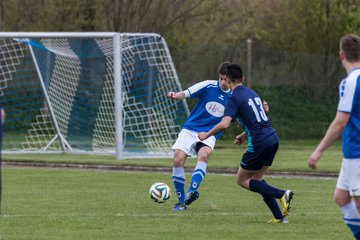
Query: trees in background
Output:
(295,43)
(301,26)
(151,15)
(1,14)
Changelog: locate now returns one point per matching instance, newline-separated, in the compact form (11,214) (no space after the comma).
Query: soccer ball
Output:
(159,192)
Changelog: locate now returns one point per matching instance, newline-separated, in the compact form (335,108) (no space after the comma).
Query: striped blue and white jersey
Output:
(349,93)
(210,107)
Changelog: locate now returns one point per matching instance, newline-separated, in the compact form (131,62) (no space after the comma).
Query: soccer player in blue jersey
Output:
(208,111)
(347,124)
(245,105)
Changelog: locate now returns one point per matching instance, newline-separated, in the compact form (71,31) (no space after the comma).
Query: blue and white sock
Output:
(352,218)
(178,178)
(197,176)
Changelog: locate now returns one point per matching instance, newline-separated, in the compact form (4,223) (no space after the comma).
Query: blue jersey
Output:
(246,106)
(349,91)
(209,109)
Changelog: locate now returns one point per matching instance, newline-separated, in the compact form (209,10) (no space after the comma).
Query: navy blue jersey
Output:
(246,106)
(209,110)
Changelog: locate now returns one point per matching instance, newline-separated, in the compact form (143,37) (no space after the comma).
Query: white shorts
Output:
(349,177)
(187,141)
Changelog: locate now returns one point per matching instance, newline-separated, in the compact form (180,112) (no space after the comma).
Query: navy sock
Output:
(264,189)
(357,236)
(272,205)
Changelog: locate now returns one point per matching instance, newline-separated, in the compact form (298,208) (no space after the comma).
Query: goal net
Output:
(96,93)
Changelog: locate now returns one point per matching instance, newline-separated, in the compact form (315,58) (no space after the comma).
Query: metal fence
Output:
(302,88)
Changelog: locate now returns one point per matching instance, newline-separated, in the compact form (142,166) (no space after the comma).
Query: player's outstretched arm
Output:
(223,124)
(176,95)
(240,139)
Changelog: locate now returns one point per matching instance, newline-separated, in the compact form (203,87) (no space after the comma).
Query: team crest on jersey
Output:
(214,108)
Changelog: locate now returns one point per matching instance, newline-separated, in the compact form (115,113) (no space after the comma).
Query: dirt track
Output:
(162,169)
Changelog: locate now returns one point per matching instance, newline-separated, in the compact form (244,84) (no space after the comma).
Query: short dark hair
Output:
(222,68)
(234,72)
(350,45)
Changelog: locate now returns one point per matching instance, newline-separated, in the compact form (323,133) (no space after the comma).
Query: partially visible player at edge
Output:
(245,105)
(2,119)
(347,124)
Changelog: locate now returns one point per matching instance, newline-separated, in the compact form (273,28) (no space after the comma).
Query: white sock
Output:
(350,212)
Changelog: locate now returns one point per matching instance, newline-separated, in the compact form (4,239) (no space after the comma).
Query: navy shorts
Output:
(259,158)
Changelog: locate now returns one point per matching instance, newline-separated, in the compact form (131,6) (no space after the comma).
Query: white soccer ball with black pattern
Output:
(160,192)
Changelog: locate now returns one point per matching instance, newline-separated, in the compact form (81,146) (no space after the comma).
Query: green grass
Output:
(292,156)
(88,204)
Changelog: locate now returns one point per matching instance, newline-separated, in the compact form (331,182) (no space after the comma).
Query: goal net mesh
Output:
(59,95)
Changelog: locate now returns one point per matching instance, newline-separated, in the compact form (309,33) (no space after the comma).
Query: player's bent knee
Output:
(242,183)
(178,162)
(203,157)
(203,154)
(341,200)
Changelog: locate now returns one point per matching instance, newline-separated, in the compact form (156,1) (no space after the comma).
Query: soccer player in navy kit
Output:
(246,106)
(208,111)
(347,124)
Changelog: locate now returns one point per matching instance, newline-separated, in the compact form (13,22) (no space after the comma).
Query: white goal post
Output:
(93,93)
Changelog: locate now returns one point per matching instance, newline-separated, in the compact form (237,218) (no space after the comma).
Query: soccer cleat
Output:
(191,196)
(285,202)
(274,220)
(179,207)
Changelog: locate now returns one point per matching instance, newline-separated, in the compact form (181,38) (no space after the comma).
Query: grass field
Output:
(89,204)
(92,204)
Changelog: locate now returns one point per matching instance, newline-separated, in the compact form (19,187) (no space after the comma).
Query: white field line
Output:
(230,172)
(141,215)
